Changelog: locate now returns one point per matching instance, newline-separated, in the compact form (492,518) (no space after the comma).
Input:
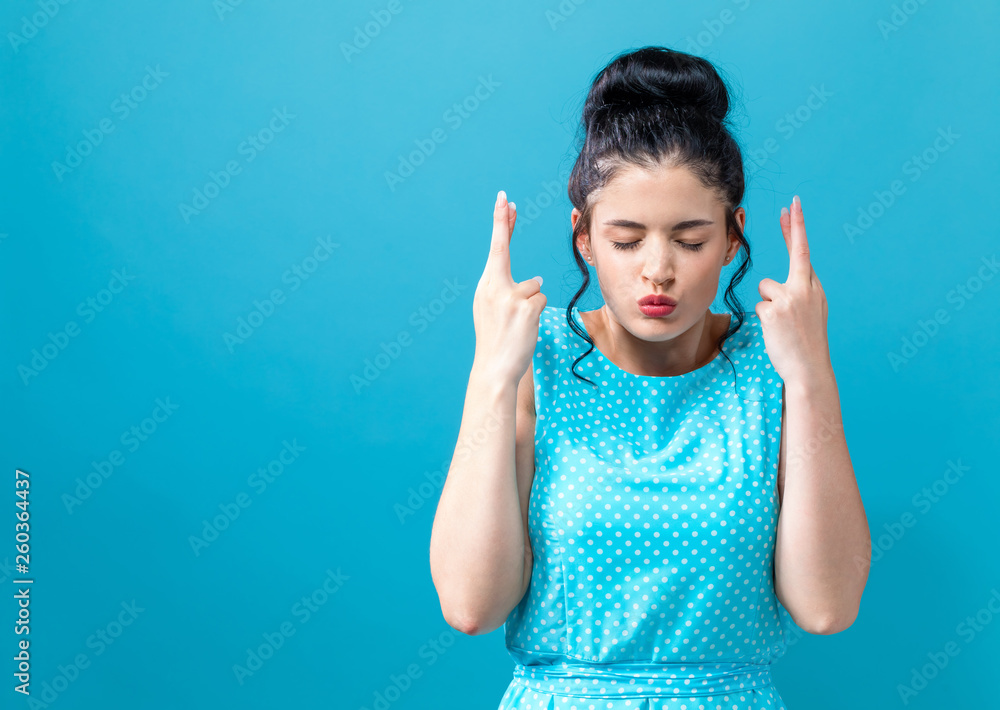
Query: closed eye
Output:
(633,245)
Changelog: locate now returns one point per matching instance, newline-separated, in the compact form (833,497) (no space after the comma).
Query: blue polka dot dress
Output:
(652,522)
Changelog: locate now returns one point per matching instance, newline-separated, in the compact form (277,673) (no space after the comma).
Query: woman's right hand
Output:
(505,313)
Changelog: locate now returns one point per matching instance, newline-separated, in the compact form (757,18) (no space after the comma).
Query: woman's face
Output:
(658,233)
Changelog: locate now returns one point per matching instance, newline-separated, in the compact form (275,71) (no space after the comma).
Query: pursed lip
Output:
(654,300)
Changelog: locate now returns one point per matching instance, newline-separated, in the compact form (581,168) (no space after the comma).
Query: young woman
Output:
(615,492)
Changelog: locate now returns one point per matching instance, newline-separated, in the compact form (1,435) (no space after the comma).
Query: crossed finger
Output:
(793,229)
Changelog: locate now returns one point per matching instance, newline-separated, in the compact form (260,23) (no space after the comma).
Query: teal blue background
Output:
(399,250)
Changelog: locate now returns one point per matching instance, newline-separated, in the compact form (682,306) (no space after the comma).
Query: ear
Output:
(583,239)
(734,244)
(741,217)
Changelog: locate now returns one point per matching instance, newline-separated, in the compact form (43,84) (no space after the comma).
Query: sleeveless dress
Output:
(652,519)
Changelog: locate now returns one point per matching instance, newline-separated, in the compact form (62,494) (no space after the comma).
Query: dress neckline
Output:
(665,378)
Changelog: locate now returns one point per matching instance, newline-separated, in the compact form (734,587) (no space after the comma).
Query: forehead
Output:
(655,196)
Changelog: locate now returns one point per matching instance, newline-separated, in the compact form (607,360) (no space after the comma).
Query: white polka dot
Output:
(652,522)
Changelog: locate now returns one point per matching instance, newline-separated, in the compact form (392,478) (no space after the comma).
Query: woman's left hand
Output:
(793,314)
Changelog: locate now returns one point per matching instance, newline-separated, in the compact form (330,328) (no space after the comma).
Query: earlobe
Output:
(581,238)
(731,255)
(585,253)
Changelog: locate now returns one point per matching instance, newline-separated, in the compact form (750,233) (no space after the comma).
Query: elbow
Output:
(825,626)
(464,615)
(461,615)
(466,607)
(824,615)
(830,623)
(468,624)
(462,623)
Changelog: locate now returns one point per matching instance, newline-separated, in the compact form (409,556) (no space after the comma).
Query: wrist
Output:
(490,375)
(809,384)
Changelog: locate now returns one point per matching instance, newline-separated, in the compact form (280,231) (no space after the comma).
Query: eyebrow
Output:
(686,224)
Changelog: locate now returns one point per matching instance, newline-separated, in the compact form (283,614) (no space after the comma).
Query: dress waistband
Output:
(629,680)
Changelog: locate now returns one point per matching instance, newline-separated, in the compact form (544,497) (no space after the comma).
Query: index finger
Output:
(498,262)
(799,266)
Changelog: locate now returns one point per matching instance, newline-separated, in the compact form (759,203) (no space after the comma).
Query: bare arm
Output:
(823,545)
(480,551)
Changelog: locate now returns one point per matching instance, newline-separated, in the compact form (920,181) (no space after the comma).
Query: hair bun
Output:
(657,76)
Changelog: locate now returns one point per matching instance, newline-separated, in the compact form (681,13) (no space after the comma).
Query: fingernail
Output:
(784,211)
(513,206)
(797,202)
(538,279)
(503,198)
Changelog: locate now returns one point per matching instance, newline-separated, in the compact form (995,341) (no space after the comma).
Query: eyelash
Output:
(624,246)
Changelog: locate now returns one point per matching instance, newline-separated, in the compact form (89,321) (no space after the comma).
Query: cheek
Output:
(615,267)
(704,279)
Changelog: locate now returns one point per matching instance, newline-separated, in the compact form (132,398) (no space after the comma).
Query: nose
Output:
(658,266)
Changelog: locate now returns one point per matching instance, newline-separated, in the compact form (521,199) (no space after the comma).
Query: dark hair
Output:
(656,106)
